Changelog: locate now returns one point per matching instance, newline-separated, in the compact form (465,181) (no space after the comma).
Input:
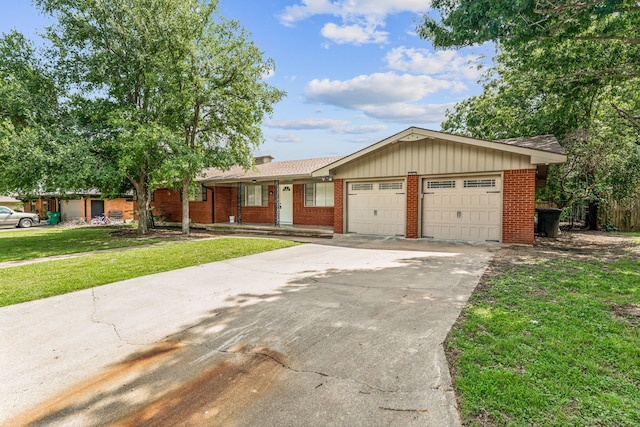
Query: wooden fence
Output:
(622,218)
(611,215)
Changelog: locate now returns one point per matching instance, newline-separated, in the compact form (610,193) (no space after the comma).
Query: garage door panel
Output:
(462,208)
(376,209)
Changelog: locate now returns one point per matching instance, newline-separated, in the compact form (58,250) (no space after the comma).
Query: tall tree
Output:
(161,88)
(220,100)
(565,67)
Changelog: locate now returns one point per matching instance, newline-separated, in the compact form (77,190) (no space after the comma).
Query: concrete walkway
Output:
(317,335)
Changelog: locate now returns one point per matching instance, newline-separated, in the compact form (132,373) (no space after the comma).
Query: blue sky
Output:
(354,71)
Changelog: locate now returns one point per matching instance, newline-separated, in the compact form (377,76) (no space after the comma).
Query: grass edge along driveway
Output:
(40,280)
(551,341)
(43,242)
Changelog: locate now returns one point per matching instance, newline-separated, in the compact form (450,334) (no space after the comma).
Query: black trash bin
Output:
(548,221)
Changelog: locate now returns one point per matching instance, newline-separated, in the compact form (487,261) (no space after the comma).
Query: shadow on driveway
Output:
(352,345)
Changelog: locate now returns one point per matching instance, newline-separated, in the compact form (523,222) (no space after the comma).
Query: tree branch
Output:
(628,117)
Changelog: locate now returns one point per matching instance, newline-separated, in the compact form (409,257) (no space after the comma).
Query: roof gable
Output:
(540,149)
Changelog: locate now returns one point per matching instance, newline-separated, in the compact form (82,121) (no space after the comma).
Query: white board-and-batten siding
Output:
(433,157)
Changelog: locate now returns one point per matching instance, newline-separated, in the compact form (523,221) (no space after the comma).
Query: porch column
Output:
(276,203)
(239,203)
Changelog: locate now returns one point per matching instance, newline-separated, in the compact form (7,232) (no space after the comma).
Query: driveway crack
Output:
(300,371)
(94,319)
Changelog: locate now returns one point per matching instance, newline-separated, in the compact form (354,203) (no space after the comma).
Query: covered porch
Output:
(318,231)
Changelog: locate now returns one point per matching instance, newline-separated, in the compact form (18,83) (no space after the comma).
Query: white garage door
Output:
(376,208)
(462,208)
(70,209)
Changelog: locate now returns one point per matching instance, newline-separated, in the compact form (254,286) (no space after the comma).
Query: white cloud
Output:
(334,126)
(414,114)
(376,89)
(444,63)
(347,9)
(285,137)
(386,96)
(307,124)
(306,9)
(360,19)
(355,34)
(360,130)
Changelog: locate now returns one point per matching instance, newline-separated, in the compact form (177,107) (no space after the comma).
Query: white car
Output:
(18,219)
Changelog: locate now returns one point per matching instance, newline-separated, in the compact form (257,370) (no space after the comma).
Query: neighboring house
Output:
(11,203)
(82,206)
(417,183)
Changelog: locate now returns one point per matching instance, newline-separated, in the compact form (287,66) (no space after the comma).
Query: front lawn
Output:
(551,338)
(43,242)
(40,280)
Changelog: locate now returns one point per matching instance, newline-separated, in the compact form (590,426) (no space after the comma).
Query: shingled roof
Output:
(542,142)
(289,169)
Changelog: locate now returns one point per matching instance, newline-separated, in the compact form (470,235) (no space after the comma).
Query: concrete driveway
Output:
(316,335)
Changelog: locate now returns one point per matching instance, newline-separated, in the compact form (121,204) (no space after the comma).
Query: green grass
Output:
(40,280)
(546,344)
(42,242)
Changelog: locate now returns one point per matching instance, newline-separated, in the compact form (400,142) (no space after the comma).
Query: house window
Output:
(255,195)
(479,183)
(318,194)
(198,194)
(361,187)
(390,186)
(441,184)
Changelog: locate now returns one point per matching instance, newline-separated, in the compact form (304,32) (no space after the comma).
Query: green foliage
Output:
(566,68)
(543,345)
(130,95)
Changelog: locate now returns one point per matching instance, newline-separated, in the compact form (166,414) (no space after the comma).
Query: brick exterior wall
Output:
(225,203)
(412,213)
(126,207)
(518,206)
(303,215)
(168,206)
(338,206)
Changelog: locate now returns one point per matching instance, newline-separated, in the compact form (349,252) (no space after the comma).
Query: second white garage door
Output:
(467,208)
(376,208)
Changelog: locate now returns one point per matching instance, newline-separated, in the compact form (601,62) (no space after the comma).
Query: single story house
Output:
(84,206)
(11,203)
(417,183)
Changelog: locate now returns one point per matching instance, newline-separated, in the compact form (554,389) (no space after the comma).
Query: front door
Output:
(286,204)
(97,208)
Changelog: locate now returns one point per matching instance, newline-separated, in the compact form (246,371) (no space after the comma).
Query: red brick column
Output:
(518,206)
(338,206)
(411,231)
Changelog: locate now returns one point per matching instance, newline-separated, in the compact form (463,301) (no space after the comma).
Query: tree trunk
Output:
(185,206)
(144,209)
(592,216)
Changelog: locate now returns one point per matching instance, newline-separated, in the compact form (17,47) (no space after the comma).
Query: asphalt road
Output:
(315,335)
